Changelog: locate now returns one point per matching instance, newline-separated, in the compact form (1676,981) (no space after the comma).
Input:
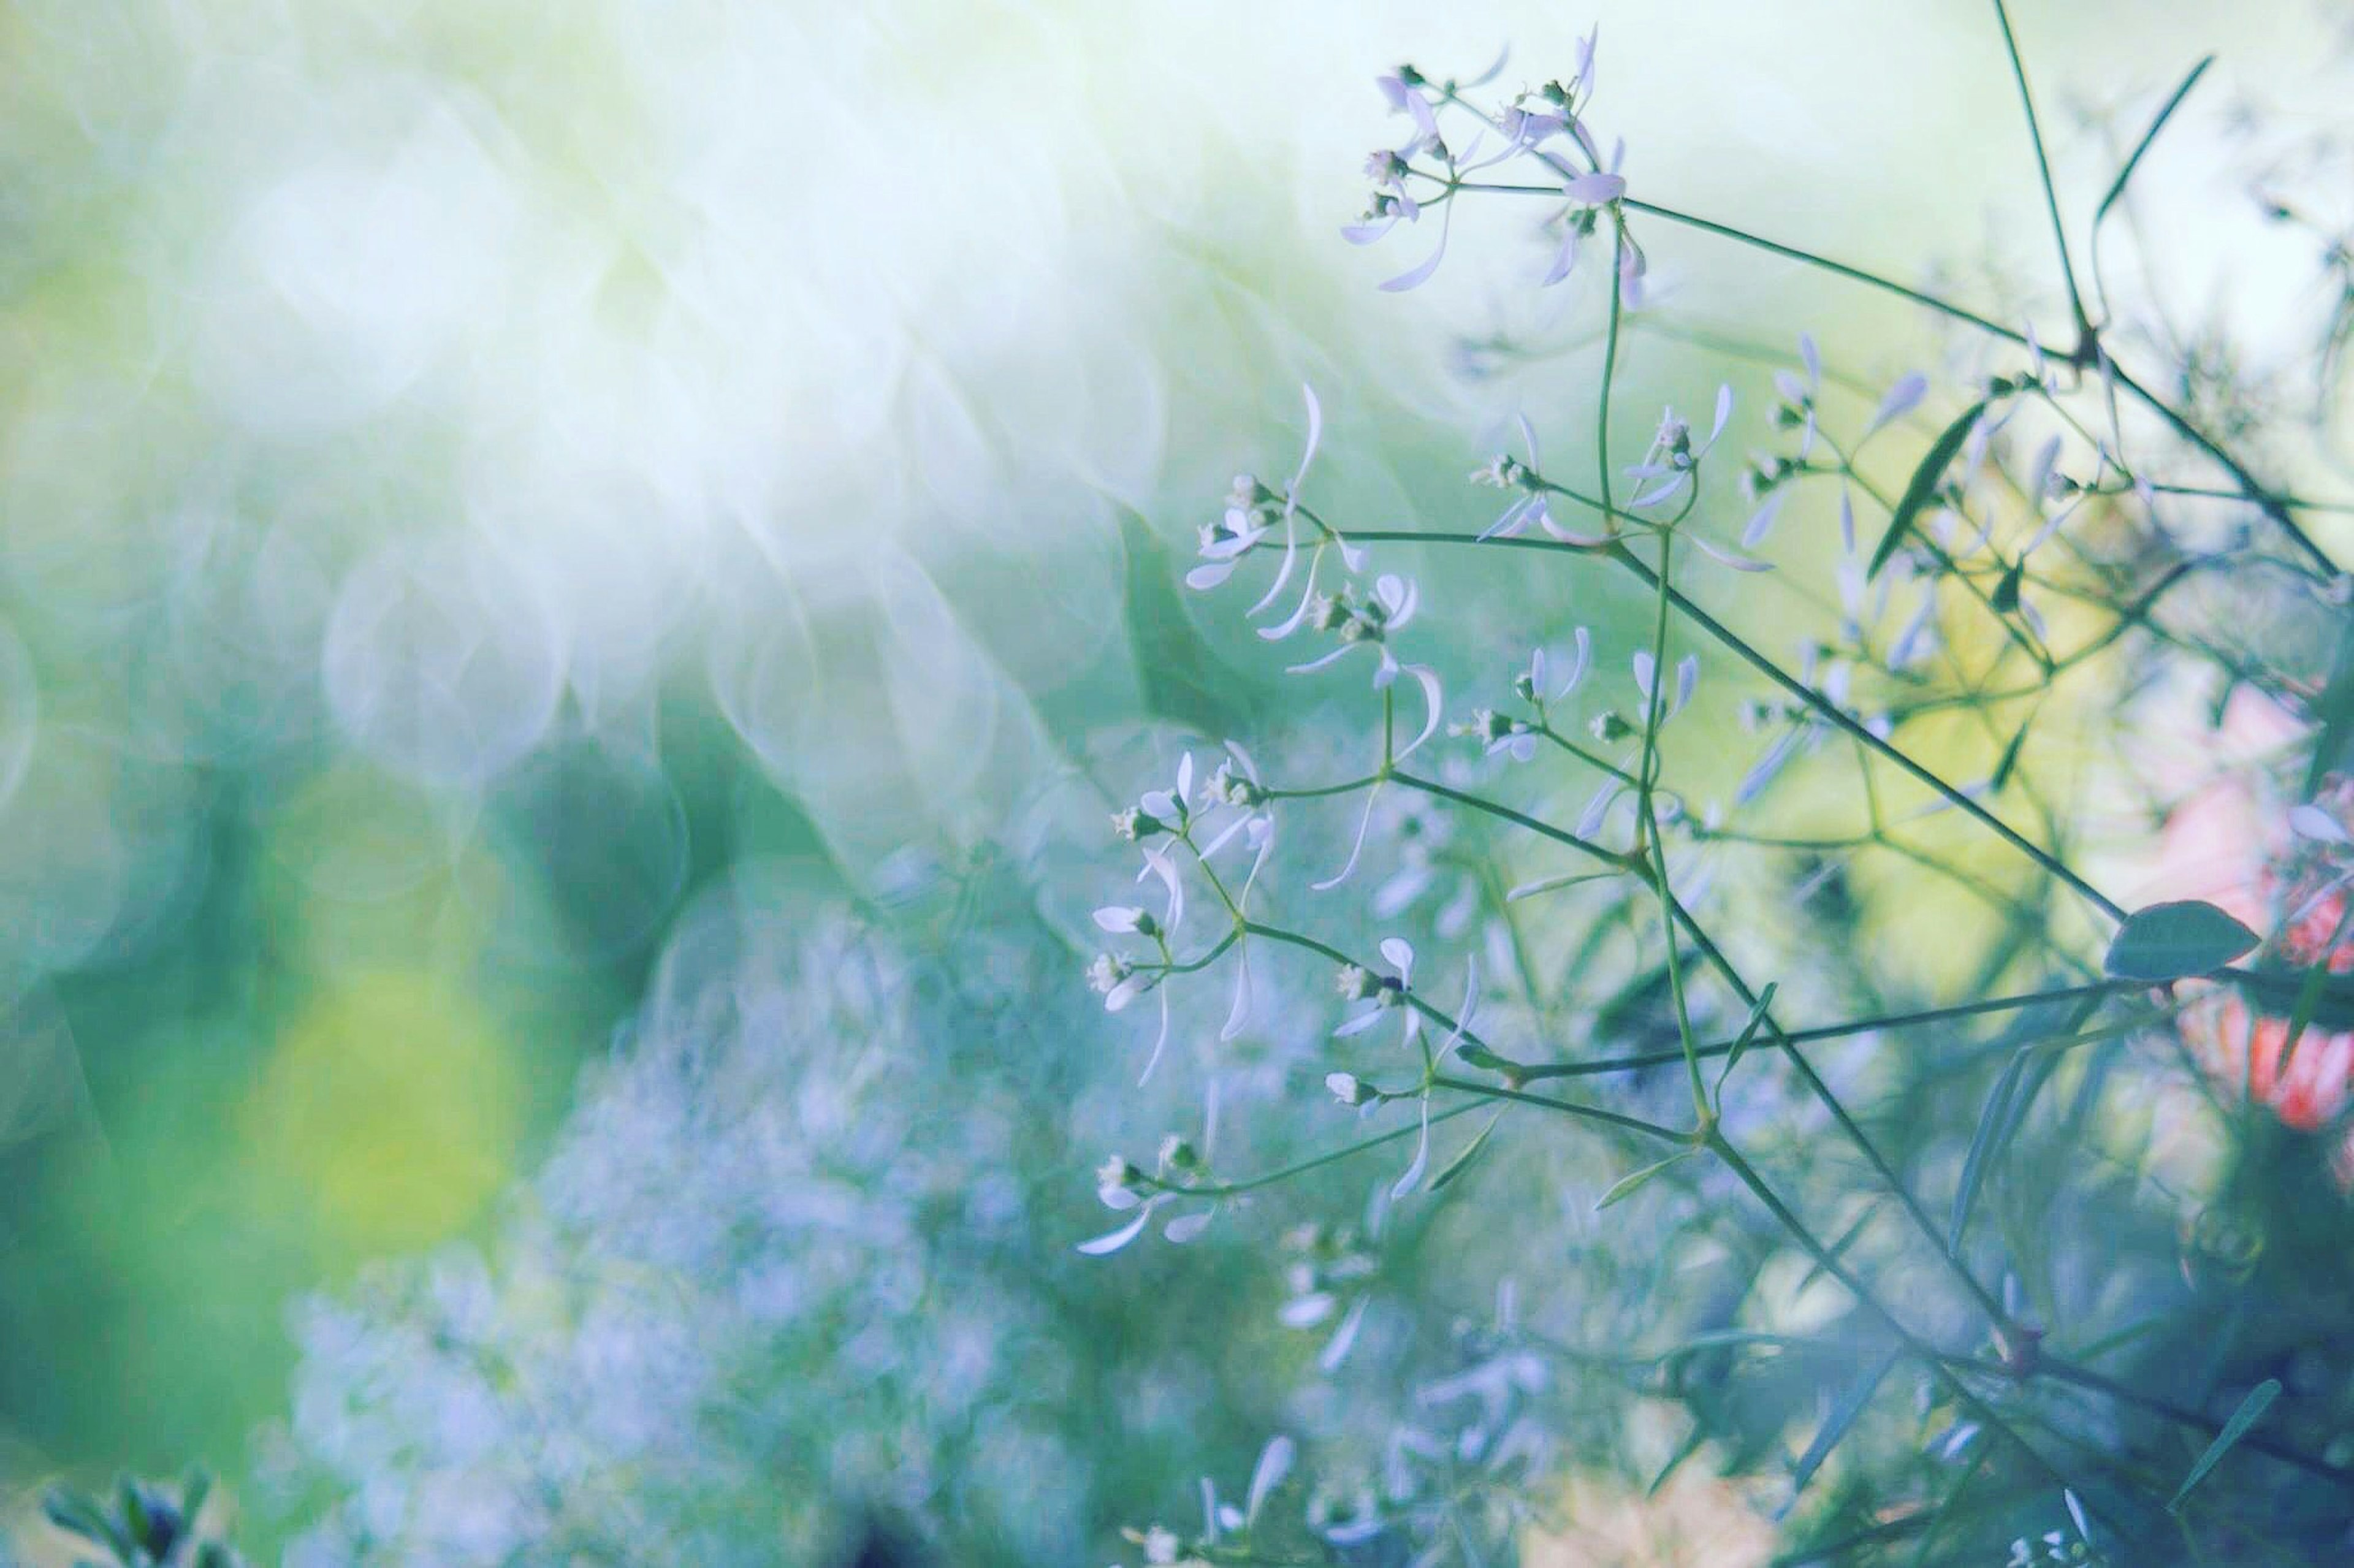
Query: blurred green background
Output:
(470,475)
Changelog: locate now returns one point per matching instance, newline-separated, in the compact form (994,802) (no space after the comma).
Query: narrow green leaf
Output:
(1742,1041)
(2251,1409)
(1462,1162)
(2132,159)
(2175,941)
(2009,763)
(1684,1450)
(1627,1185)
(1923,485)
(1835,1426)
(1996,1123)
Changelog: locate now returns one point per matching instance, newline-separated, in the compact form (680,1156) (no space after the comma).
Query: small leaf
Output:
(1923,485)
(1741,1043)
(2166,111)
(2175,941)
(1996,1122)
(2009,763)
(1627,1185)
(2005,598)
(1835,1426)
(1462,1162)
(2251,1409)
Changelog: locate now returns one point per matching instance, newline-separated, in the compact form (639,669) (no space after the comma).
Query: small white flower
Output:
(1385,992)
(1673,458)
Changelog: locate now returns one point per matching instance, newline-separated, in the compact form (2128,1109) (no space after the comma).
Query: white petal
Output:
(1356,849)
(1344,1339)
(1112,1241)
(1595,188)
(1185,779)
(1398,953)
(1723,556)
(1902,399)
(1413,1176)
(1118,918)
(1687,681)
(1427,679)
(1813,358)
(1416,277)
(1463,1013)
(1299,616)
(1274,1465)
(1239,1015)
(1186,1227)
(1307,1311)
(1761,521)
(1597,809)
(1358,1024)
(1509,523)
(1578,665)
(1313,665)
(1211,575)
(1658,492)
(1495,69)
(2311,821)
(1290,555)
(1315,434)
(1126,991)
(1160,1042)
(1724,413)
(1643,671)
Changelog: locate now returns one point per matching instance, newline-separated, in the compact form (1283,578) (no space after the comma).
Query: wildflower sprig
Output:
(2027,539)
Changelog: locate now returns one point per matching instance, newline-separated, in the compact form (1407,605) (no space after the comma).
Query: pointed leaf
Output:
(1843,1416)
(1627,1185)
(2251,1409)
(1997,1121)
(2133,160)
(1462,1162)
(1923,485)
(1741,1043)
(2175,941)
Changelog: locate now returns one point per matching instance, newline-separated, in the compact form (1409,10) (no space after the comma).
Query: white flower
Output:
(1673,459)
(1385,992)
(1369,623)
(1251,513)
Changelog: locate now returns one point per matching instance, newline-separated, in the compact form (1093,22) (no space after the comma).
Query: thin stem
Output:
(1829,710)
(2044,171)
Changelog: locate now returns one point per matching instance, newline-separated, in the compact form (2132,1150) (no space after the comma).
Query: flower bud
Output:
(1347,1088)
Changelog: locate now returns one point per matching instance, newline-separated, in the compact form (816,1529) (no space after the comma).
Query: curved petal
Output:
(1413,1176)
(1112,1241)
(1416,277)
(1427,679)
(1160,1042)
(1356,849)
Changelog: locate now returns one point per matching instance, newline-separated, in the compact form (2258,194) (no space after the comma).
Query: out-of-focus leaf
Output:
(1181,678)
(1462,1162)
(1997,1121)
(1835,1427)
(1923,485)
(2175,941)
(2251,1411)
(1627,1185)
(2133,160)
